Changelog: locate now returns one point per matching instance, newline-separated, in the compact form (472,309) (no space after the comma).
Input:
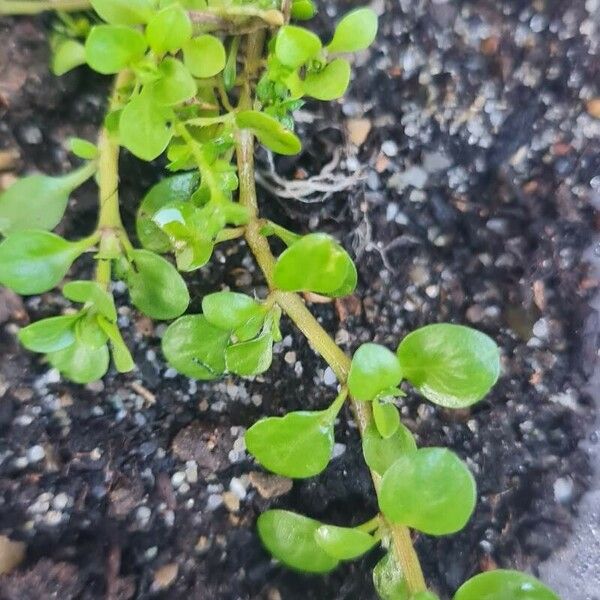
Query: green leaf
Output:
(124,12)
(49,335)
(178,188)
(290,538)
(431,490)
(374,369)
(111,48)
(387,419)
(175,84)
(315,263)
(295,46)
(38,201)
(92,292)
(33,262)
(83,149)
(424,596)
(155,286)
(231,311)
(329,83)
(389,581)
(381,453)
(144,127)
(81,362)
(89,332)
(451,365)
(349,284)
(251,357)
(343,543)
(67,54)
(169,29)
(356,31)
(303,10)
(269,131)
(504,585)
(195,348)
(122,358)
(298,445)
(204,56)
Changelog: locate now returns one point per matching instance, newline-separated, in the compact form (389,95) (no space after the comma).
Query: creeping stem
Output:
(295,308)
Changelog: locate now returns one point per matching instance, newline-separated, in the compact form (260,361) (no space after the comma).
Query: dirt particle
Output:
(165,576)
(11,554)
(270,486)
(358,130)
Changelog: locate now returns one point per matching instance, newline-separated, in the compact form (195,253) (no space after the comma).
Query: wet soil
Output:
(469,148)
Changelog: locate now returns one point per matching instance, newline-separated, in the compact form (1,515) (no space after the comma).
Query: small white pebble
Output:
(143,515)
(237,487)
(191,471)
(36,453)
(214,501)
(329,377)
(338,450)
(177,479)
(60,501)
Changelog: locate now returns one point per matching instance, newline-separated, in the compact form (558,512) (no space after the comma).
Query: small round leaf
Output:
(451,365)
(389,581)
(298,445)
(290,538)
(381,453)
(195,348)
(144,127)
(229,310)
(80,362)
(251,357)
(344,543)
(83,149)
(67,54)
(504,585)
(431,490)
(303,10)
(92,292)
(295,46)
(38,201)
(175,84)
(155,286)
(169,29)
(49,335)
(124,12)
(178,188)
(111,48)
(315,263)
(330,83)
(356,31)
(386,417)
(33,262)
(204,56)
(269,131)
(373,370)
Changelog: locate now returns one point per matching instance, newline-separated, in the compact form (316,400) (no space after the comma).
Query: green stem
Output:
(370,525)
(33,7)
(295,308)
(79,176)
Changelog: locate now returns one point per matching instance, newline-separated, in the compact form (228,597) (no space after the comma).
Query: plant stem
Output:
(295,308)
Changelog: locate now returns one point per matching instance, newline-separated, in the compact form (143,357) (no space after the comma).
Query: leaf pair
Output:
(296,47)
(235,333)
(307,545)
(76,344)
(39,201)
(316,263)
(193,231)
(451,365)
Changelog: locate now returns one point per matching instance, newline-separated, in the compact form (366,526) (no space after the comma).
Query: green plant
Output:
(180,90)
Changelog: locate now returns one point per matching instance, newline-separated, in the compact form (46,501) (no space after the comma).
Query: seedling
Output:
(198,81)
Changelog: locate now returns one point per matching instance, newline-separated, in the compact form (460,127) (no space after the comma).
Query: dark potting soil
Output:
(465,156)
